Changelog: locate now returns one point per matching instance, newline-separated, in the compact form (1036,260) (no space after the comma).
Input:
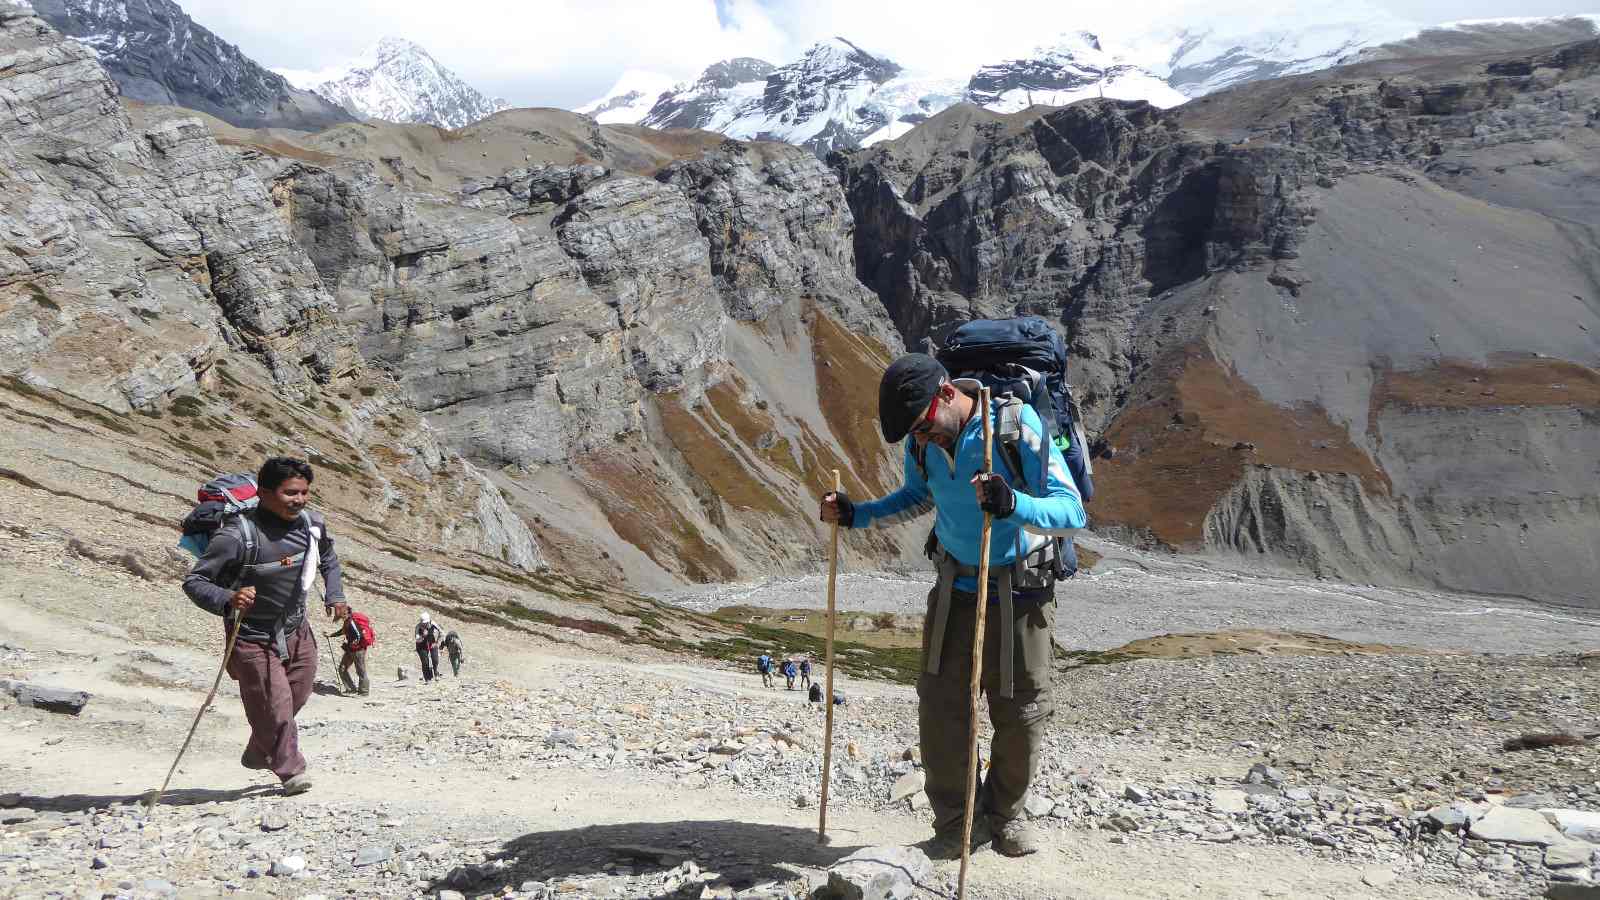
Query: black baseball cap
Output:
(907,388)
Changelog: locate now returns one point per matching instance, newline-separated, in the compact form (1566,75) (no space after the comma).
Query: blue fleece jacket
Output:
(947,489)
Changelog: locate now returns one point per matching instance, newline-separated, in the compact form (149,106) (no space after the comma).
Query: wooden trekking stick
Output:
(233,636)
(827,699)
(977,651)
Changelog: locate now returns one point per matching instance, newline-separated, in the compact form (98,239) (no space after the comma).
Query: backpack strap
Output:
(250,541)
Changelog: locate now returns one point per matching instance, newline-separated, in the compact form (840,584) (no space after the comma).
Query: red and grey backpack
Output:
(218,500)
(364,625)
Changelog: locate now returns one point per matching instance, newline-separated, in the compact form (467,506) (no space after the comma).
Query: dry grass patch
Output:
(848,368)
(1176,453)
(711,458)
(1453,384)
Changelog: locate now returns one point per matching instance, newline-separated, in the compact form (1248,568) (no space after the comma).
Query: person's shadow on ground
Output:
(173,797)
(741,853)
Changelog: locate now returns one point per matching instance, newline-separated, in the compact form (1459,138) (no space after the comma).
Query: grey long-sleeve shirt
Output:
(280,547)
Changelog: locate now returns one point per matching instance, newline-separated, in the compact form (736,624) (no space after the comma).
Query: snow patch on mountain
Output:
(399,81)
(1199,61)
(1075,67)
(630,99)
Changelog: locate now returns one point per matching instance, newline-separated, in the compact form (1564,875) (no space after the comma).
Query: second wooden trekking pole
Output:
(827,697)
(977,649)
(233,637)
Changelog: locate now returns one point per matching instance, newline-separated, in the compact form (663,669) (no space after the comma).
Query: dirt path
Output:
(386,762)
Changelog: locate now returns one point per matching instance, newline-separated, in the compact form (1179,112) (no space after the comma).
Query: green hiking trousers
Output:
(944,708)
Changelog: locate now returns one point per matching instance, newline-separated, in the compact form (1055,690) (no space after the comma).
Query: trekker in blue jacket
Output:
(944,475)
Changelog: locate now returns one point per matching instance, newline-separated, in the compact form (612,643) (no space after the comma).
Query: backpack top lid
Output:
(984,344)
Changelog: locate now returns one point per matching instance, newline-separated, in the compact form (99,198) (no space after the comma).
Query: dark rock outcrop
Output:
(157,54)
(1245,270)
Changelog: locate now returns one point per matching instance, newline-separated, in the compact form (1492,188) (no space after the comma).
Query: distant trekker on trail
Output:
(764,666)
(944,462)
(428,639)
(815,693)
(452,646)
(356,630)
(805,672)
(789,672)
(259,567)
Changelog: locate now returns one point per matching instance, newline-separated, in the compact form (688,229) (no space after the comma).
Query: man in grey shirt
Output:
(260,566)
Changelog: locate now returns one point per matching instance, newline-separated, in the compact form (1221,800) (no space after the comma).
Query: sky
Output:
(567,52)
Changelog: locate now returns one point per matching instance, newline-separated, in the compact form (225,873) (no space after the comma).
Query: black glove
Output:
(847,510)
(998,498)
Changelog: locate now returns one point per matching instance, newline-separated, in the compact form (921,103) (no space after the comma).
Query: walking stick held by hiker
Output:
(827,728)
(977,650)
(233,636)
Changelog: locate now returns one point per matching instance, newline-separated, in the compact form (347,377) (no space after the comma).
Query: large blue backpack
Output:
(1026,358)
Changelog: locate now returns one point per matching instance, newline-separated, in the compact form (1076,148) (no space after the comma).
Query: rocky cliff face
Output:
(603,333)
(155,308)
(157,54)
(1275,291)
(639,357)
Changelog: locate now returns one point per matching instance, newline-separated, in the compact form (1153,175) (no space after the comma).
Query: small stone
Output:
(561,737)
(49,699)
(1261,773)
(160,886)
(1229,801)
(1378,877)
(1571,853)
(402,673)
(1298,795)
(99,862)
(1138,793)
(802,800)
(11,799)
(1451,817)
(273,822)
(372,855)
(451,895)
(907,785)
(878,872)
(1515,826)
(289,865)
(1037,807)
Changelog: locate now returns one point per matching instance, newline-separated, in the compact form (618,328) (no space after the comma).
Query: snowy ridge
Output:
(1075,68)
(398,81)
(838,95)
(630,99)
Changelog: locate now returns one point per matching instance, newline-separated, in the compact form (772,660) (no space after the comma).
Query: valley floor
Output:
(584,770)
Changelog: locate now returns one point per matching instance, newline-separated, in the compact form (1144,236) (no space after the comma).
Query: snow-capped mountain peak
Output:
(399,81)
(838,95)
(1075,67)
(629,99)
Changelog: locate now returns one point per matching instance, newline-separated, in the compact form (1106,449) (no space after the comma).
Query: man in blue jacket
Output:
(944,475)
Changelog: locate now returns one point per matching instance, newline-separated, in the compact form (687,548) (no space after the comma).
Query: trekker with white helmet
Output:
(428,640)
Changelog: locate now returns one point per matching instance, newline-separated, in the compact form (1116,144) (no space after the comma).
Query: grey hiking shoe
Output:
(946,844)
(296,784)
(1015,837)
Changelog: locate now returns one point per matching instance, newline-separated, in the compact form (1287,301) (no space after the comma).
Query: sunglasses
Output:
(925,424)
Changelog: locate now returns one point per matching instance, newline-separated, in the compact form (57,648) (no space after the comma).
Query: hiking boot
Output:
(1016,838)
(251,761)
(296,784)
(946,844)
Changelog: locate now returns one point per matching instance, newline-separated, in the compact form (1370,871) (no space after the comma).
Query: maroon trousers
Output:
(273,690)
